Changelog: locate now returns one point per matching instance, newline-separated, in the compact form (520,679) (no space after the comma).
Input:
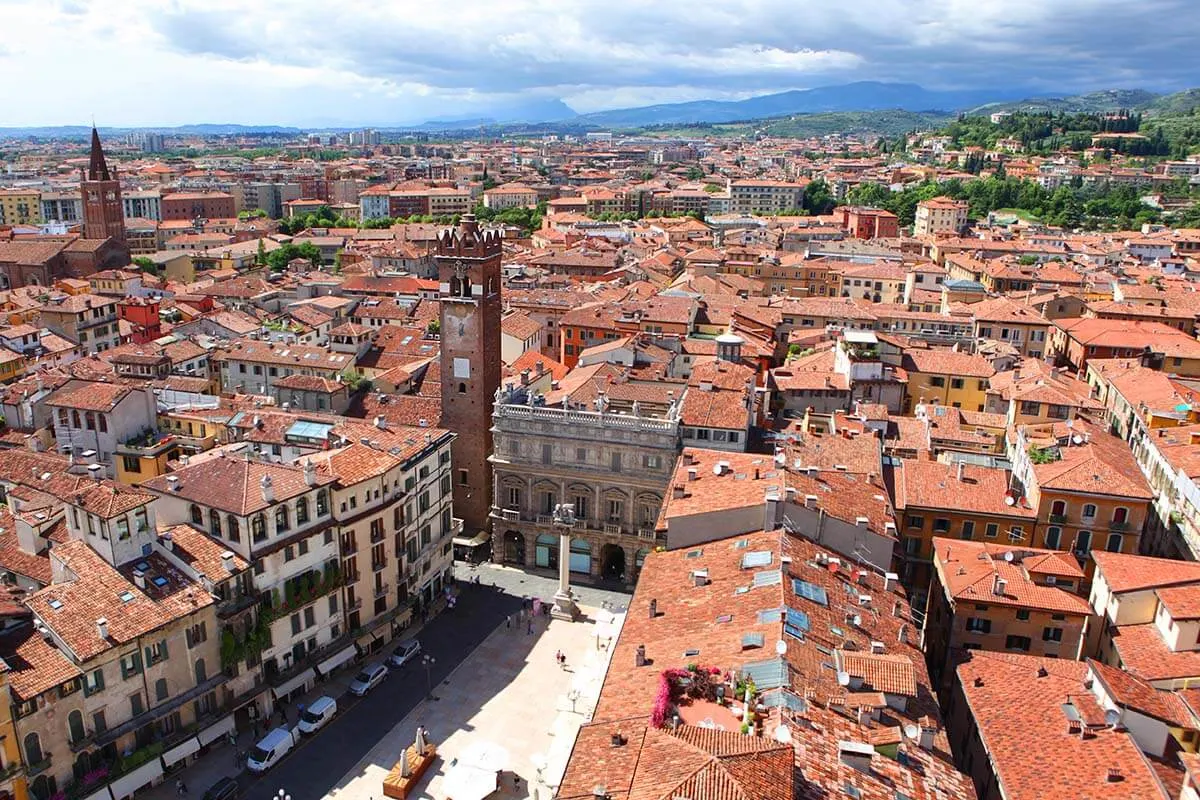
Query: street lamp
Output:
(282,795)
(429,661)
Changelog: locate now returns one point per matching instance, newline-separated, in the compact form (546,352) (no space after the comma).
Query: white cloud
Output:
(306,62)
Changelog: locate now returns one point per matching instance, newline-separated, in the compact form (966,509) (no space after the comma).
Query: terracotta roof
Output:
(970,569)
(34,665)
(1126,572)
(88,395)
(235,484)
(203,553)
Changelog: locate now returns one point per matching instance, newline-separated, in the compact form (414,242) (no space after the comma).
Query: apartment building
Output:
(279,518)
(93,420)
(750,196)
(121,669)
(20,207)
(253,366)
(941,215)
(187,206)
(954,500)
(1004,320)
(1001,597)
(1086,487)
(88,319)
(610,465)
(945,377)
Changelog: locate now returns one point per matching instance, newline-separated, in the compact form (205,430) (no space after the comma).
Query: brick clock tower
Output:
(468,261)
(103,213)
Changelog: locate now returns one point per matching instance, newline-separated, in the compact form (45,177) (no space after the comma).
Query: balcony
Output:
(37,768)
(1114,525)
(382,589)
(612,528)
(378,565)
(235,605)
(510,515)
(11,771)
(377,537)
(647,533)
(1058,519)
(545,519)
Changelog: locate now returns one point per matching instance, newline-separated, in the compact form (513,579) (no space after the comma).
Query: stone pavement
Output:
(502,694)
(541,583)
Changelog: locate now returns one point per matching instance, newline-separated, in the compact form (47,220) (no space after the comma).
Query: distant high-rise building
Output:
(103,214)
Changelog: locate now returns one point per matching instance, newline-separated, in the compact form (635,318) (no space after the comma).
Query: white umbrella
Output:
(405,772)
(420,743)
(464,782)
(484,755)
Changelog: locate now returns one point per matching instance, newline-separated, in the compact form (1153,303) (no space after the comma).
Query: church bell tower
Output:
(468,262)
(103,212)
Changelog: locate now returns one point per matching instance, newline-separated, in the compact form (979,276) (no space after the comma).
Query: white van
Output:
(270,749)
(317,714)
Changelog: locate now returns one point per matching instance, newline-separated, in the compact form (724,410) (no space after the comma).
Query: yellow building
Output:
(146,457)
(12,777)
(20,207)
(946,377)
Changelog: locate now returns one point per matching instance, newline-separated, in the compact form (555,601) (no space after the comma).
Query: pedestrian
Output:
(529,629)
(180,788)
(300,711)
(508,621)
(558,658)
(562,660)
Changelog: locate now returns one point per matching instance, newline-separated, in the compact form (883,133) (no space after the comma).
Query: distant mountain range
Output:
(862,98)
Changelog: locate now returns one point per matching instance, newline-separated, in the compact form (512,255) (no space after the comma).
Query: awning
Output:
(181,751)
(474,541)
(287,687)
(100,794)
(214,732)
(465,782)
(126,785)
(364,642)
(336,660)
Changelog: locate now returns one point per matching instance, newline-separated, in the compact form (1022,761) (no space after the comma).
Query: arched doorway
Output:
(581,556)
(612,562)
(82,766)
(514,548)
(42,787)
(546,551)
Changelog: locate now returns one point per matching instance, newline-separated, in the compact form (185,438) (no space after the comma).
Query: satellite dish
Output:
(1008,556)
(1077,439)
(781,647)
(783,735)
(1009,500)
(1112,717)
(716,469)
(1070,424)
(843,678)
(912,731)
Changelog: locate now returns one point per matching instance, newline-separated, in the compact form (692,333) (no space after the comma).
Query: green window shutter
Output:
(164,649)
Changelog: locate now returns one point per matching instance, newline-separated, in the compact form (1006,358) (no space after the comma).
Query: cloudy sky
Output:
(387,62)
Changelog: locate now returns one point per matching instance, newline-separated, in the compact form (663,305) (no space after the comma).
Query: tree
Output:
(278,259)
(817,198)
(434,327)
(260,257)
(694,173)
(145,265)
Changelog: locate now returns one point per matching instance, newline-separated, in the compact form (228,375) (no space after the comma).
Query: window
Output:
(956,383)
(1089,511)
(99,723)
(33,749)
(1023,614)
(131,463)
(258,527)
(281,519)
(288,553)
(1083,543)
(136,706)
(991,530)
(941,525)
(1120,516)
(1051,634)
(214,522)
(302,511)
(1113,545)
(322,502)
(463,477)
(1017,643)
(1058,509)
(979,625)
(93,683)
(938,382)
(197,515)
(160,690)
(915,522)
(295,620)
(231,525)
(131,664)
(1030,408)
(968,529)
(1053,537)
(1016,533)
(156,653)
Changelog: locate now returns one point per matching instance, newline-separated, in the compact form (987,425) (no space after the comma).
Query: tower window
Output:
(462,388)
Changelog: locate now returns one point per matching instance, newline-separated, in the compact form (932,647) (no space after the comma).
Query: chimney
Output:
(102,628)
(999,585)
(961,467)
(653,608)
(173,483)
(168,541)
(381,423)
(890,579)
(600,792)
(94,471)
(699,577)
(928,731)
(770,511)
(1114,774)
(268,491)
(692,473)
(678,490)
(639,656)
(810,501)
(310,472)
(227,561)
(139,579)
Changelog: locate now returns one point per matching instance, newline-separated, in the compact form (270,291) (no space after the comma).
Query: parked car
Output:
(405,652)
(317,714)
(224,789)
(370,677)
(270,749)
